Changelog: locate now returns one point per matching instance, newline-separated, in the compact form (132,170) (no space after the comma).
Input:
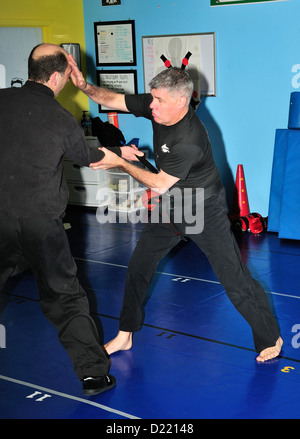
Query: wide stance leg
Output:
(221,249)
(155,242)
(62,299)
(10,252)
(246,293)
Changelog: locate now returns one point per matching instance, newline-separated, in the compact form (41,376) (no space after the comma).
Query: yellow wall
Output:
(62,22)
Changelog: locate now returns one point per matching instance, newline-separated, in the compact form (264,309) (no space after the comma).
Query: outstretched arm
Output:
(105,97)
(160,182)
(99,95)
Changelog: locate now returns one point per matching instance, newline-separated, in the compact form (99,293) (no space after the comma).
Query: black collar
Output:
(37,87)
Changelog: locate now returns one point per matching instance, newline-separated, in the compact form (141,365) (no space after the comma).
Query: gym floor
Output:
(194,357)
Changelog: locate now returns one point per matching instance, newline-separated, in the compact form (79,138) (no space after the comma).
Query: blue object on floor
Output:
(284,204)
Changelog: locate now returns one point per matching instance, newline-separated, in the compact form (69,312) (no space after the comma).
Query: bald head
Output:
(44,60)
(47,49)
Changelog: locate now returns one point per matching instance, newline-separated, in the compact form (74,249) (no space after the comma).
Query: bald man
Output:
(36,133)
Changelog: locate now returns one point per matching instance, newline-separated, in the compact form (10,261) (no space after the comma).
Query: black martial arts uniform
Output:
(36,132)
(183,150)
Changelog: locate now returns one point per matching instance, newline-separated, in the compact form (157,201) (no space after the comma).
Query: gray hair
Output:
(174,79)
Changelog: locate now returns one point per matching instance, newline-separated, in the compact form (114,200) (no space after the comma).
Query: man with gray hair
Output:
(184,159)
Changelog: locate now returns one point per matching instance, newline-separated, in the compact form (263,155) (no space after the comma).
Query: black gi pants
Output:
(44,244)
(219,245)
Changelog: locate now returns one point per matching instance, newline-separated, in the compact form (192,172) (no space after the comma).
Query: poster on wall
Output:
(159,50)
(234,2)
(115,43)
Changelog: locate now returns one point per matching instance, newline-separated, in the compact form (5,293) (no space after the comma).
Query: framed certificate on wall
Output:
(115,43)
(236,2)
(119,81)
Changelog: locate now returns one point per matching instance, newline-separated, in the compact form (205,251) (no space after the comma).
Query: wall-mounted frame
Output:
(202,62)
(115,43)
(119,81)
(111,2)
(236,2)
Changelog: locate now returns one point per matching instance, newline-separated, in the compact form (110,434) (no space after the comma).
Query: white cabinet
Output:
(124,192)
(113,188)
(83,182)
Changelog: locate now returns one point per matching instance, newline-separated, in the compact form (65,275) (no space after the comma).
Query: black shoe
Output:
(93,386)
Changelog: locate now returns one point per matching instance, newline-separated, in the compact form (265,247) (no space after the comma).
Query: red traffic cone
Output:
(240,203)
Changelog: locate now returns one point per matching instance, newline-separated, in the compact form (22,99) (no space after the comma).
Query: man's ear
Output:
(53,83)
(182,101)
(53,79)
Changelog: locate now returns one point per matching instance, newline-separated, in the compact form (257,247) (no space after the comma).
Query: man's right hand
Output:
(102,96)
(76,75)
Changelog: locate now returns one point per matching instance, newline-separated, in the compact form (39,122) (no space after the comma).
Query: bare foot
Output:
(122,342)
(272,352)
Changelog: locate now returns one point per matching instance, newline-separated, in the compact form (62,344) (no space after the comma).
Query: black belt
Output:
(209,192)
(191,197)
(214,189)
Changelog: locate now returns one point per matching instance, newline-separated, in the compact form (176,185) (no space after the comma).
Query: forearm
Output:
(96,93)
(105,97)
(100,95)
(160,182)
(157,182)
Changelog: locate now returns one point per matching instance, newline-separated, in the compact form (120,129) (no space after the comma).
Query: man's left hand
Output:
(130,153)
(110,160)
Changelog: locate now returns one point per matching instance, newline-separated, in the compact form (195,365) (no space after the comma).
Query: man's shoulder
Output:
(10,91)
(138,104)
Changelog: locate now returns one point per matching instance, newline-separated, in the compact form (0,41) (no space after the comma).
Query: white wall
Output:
(258,65)
(15,45)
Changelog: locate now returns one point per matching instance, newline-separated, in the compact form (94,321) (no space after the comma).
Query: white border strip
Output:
(65,395)
(158,272)
(180,275)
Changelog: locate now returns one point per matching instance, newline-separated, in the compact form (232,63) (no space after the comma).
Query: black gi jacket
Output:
(36,132)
